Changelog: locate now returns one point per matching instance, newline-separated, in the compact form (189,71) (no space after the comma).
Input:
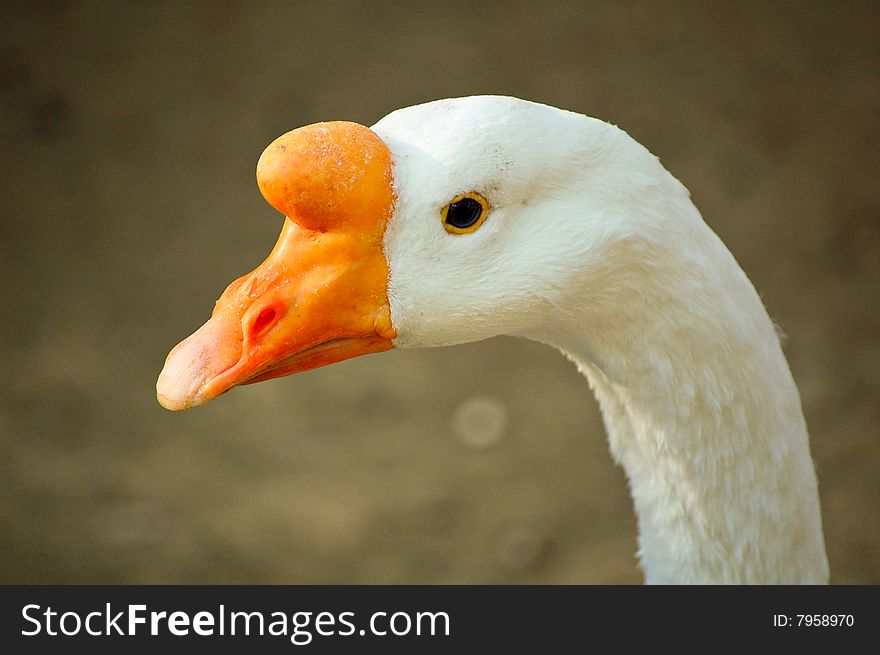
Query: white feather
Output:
(593,247)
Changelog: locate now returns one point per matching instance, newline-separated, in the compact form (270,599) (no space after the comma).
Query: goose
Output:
(463,219)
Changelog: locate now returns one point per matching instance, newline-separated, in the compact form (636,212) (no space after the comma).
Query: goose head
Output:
(463,219)
(445,223)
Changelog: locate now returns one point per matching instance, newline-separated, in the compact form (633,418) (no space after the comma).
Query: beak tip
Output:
(174,394)
(169,403)
(193,364)
(173,402)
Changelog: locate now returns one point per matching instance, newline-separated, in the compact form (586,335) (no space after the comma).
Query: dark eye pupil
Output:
(464,213)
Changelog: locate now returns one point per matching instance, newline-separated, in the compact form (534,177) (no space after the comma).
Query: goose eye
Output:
(465,213)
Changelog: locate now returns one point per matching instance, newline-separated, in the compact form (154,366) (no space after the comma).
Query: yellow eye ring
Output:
(465,213)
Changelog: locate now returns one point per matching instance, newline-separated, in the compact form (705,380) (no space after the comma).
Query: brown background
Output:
(129,138)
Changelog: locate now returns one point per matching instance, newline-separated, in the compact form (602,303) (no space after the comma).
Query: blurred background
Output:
(129,134)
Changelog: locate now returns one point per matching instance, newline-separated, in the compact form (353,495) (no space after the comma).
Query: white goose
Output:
(463,219)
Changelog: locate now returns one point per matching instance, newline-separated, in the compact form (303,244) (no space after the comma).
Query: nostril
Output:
(264,320)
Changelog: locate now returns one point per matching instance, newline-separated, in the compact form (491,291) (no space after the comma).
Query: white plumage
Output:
(593,247)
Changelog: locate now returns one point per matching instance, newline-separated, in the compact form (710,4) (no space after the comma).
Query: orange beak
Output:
(321,295)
